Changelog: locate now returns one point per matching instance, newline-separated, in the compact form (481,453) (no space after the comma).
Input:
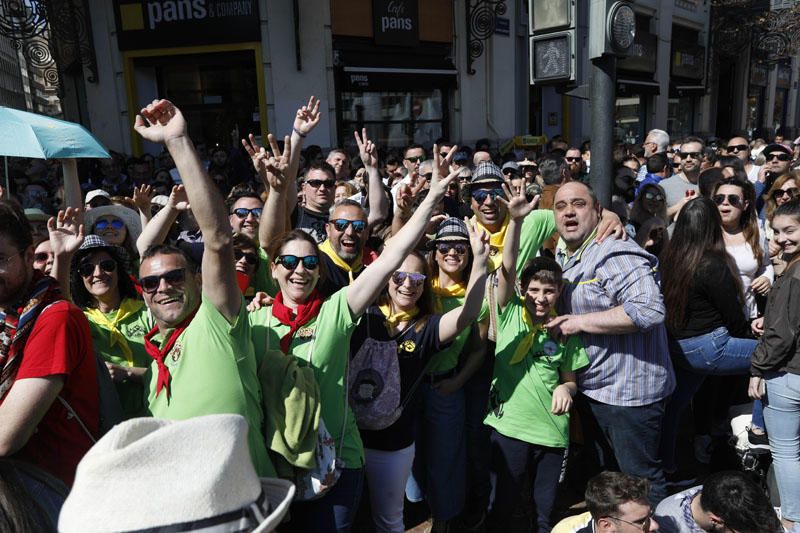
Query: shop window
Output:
(779,111)
(628,124)
(394,119)
(755,108)
(680,116)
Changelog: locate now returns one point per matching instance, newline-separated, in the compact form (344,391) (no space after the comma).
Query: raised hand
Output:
(277,163)
(442,164)
(478,241)
(366,149)
(517,204)
(66,232)
(258,155)
(178,199)
(160,122)
(307,117)
(142,197)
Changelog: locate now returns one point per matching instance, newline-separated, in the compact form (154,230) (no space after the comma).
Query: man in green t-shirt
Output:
(203,356)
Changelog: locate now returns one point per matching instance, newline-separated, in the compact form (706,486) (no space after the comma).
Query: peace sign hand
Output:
(366,149)
(307,117)
(277,163)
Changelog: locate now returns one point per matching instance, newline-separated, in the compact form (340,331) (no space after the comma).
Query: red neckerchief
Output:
(305,313)
(160,353)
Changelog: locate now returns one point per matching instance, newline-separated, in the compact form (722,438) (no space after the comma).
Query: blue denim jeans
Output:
(782,414)
(715,353)
(633,435)
(334,512)
(440,465)
(515,463)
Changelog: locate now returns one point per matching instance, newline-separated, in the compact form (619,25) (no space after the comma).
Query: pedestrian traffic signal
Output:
(552,25)
(612,27)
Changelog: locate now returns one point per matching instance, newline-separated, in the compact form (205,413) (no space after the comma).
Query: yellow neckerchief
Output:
(393,319)
(457,290)
(524,346)
(496,241)
(127,308)
(328,250)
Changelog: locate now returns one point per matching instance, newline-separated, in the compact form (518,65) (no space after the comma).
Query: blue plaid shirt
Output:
(632,369)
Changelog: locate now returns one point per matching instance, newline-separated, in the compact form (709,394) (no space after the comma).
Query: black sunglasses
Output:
(416,159)
(150,284)
(445,247)
(341,224)
(777,193)
(573,159)
(243,212)
(41,257)
(291,262)
(737,148)
(480,195)
(416,279)
(249,257)
(779,157)
(733,199)
(692,155)
(330,184)
(87,269)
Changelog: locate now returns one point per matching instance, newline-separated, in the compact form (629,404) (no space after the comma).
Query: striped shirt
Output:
(632,369)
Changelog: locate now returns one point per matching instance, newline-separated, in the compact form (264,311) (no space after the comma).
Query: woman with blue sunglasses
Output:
(316,330)
(118,226)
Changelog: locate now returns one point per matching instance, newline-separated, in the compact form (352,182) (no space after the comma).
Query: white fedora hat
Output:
(148,474)
(128,216)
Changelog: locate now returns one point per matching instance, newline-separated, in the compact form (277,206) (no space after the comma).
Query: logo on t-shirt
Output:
(135,330)
(305,333)
(175,353)
(406,346)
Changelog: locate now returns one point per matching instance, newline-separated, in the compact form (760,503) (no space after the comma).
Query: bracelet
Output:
(302,135)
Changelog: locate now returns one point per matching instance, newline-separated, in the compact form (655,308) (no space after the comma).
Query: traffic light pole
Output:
(603,99)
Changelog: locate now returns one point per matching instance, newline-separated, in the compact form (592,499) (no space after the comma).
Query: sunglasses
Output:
(777,193)
(654,196)
(779,157)
(243,212)
(87,269)
(291,262)
(414,278)
(643,524)
(249,257)
(444,248)
(330,184)
(691,155)
(150,284)
(573,159)
(733,199)
(737,148)
(416,159)
(480,195)
(41,257)
(102,224)
(341,224)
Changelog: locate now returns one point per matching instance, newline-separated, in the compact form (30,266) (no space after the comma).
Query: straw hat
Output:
(182,475)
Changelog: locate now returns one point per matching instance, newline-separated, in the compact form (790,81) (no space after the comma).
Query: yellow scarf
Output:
(524,346)
(496,241)
(458,290)
(393,319)
(328,250)
(127,308)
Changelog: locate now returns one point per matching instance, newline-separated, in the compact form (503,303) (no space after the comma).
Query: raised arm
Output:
(305,121)
(455,321)
(142,199)
(72,184)
(162,122)
(378,202)
(366,287)
(518,208)
(156,231)
(66,237)
(274,218)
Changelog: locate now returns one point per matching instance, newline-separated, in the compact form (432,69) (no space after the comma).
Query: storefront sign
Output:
(171,23)
(395,22)
(784,76)
(643,53)
(502,26)
(759,75)
(688,61)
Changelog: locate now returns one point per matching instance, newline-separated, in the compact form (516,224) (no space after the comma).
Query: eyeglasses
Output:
(106,265)
(511,172)
(103,223)
(41,257)
(643,524)
(654,196)
(249,257)
(428,176)
(733,199)
(779,193)
(444,248)
(416,159)
(341,224)
(414,278)
(150,284)
(480,195)
(330,184)
(779,156)
(291,262)
(443,154)
(692,155)
(573,159)
(737,148)
(243,212)
(7,260)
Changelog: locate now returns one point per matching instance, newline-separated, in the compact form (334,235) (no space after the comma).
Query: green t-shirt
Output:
(133,328)
(330,331)
(213,370)
(262,279)
(522,393)
(448,359)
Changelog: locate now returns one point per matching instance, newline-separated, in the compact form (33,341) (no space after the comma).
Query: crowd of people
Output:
(399,326)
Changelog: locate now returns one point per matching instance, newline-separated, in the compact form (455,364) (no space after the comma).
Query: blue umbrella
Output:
(24,134)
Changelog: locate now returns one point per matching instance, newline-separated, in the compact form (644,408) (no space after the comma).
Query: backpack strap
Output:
(72,412)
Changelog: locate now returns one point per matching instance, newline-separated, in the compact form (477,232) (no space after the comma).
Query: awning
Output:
(678,89)
(399,79)
(630,86)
